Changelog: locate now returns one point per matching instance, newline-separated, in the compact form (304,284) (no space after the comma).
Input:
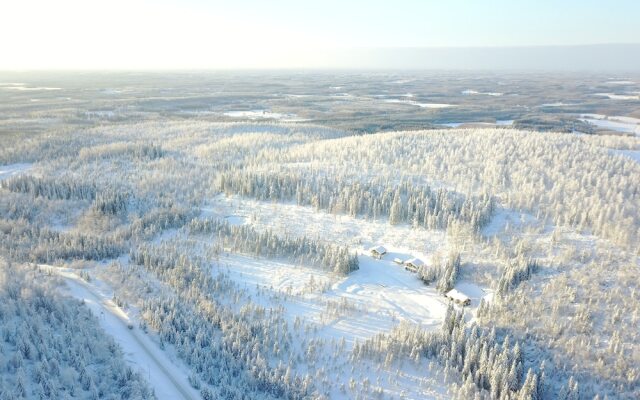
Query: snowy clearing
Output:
(632,154)
(7,171)
(418,104)
(472,92)
(478,124)
(375,298)
(615,96)
(22,87)
(557,104)
(262,114)
(620,82)
(614,123)
(291,219)
(505,220)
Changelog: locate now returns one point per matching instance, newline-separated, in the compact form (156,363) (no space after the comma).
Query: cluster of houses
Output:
(413,264)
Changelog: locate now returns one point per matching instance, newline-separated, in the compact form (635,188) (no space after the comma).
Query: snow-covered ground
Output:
(168,379)
(22,87)
(291,219)
(384,290)
(418,104)
(504,122)
(620,82)
(557,104)
(614,123)
(262,114)
(633,154)
(500,122)
(505,220)
(616,96)
(472,92)
(7,171)
(371,300)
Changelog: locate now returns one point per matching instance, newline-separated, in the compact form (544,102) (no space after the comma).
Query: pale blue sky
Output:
(376,23)
(288,33)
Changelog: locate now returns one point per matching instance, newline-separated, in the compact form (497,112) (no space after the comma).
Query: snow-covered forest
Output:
(235,257)
(52,348)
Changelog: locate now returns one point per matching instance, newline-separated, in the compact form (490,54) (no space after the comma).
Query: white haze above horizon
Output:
(251,34)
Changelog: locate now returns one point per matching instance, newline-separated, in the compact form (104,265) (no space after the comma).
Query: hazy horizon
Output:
(586,58)
(284,34)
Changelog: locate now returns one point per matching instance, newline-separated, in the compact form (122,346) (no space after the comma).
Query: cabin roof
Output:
(415,261)
(378,249)
(457,295)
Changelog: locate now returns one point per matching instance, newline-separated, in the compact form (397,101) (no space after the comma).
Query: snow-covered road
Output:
(168,381)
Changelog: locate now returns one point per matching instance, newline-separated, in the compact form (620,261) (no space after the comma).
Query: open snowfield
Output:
(291,219)
(371,300)
(620,82)
(383,291)
(617,96)
(632,154)
(23,87)
(614,123)
(261,114)
(419,104)
(558,104)
(7,171)
(475,92)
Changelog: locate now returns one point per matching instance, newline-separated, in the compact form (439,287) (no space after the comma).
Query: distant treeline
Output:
(402,203)
(245,239)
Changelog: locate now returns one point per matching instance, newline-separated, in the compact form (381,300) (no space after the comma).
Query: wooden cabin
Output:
(458,297)
(413,264)
(378,251)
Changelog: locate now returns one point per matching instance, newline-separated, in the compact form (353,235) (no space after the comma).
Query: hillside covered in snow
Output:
(175,255)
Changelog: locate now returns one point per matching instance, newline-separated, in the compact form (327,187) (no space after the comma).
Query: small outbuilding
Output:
(378,251)
(413,264)
(458,297)
(398,261)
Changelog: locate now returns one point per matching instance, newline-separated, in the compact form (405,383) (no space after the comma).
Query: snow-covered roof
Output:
(415,261)
(378,249)
(457,295)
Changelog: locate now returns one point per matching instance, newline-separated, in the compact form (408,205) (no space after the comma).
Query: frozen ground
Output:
(472,92)
(262,114)
(632,154)
(558,104)
(7,171)
(506,220)
(614,123)
(291,219)
(421,105)
(167,379)
(22,87)
(371,300)
(500,122)
(620,82)
(385,289)
(615,96)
